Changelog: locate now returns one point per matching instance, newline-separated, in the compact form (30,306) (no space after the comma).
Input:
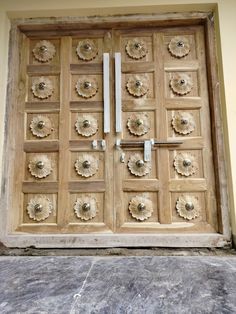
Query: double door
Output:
(117,133)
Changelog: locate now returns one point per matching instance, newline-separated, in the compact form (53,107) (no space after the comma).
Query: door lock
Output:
(122,157)
(140,143)
(102,143)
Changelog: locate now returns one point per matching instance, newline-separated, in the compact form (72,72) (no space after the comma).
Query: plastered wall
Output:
(225,22)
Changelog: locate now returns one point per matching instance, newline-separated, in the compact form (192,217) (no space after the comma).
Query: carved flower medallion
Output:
(136,48)
(40,166)
(86,165)
(41,126)
(140,208)
(137,85)
(183,122)
(86,87)
(185,164)
(188,207)
(179,46)
(138,124)
(181,84)
(39,208)
(86,50)
(137,166)
(42,87)
(86,207)
(86,125)
(44,51)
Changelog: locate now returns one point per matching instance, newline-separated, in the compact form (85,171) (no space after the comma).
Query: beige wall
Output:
(226,23)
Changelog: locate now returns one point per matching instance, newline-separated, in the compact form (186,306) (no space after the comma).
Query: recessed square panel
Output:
(184,123)
(137,49)
(139,125)
(181,84)
(86,125)
(41,167)
(137,86)
(179,47)
(40,208)
(42,126)
(87,166)
(86,208)
(44,51)
(140,207)
(186,164)
(87,88)
(87,50)
(189,207)
(43,88)
(136,168)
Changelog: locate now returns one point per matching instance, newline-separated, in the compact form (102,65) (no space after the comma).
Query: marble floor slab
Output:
(137,285)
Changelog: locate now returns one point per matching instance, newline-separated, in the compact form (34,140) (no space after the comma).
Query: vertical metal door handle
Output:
(118,91)
(106,92)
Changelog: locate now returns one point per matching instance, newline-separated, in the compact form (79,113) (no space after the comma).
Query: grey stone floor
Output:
(150,284)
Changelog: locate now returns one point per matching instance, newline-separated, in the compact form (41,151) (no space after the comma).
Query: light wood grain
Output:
(113,185)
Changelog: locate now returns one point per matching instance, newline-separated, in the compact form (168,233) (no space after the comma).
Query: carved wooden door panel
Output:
(164,109)
(68,156)
(117,135)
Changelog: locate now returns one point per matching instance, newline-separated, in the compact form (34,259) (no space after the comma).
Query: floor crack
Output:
(78,295)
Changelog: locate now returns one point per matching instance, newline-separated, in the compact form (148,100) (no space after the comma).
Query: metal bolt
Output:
(86,206)
(139,122)
(184,121)
(42,85)
(182,82)
(41,124)
(180,43)
(43,49)
(138,83)
(140,163)
(38,208)
(87,47)
(86,123)
(141,206)
(189,206)
(86,164)
(187,162)
(137,46)
(87,84)
(40,164)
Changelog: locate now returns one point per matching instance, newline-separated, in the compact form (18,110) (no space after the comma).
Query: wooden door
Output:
(134,156)
(68,158)
(164,98)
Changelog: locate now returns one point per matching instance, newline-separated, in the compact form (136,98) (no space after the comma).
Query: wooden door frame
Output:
(68,26)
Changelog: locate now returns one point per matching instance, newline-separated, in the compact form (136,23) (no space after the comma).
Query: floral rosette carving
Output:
(138,124)
(86,88)
(44,51)
(188,207)
(185,164)
(86,50)
(137,85)
(137,166)
(39,208)
(179,46)
(40,166)
(181,84)
(86,165)
(42,87)
(86,125)
(183,122)
(136,48)
(140,208)
(86,207)
(41,126)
